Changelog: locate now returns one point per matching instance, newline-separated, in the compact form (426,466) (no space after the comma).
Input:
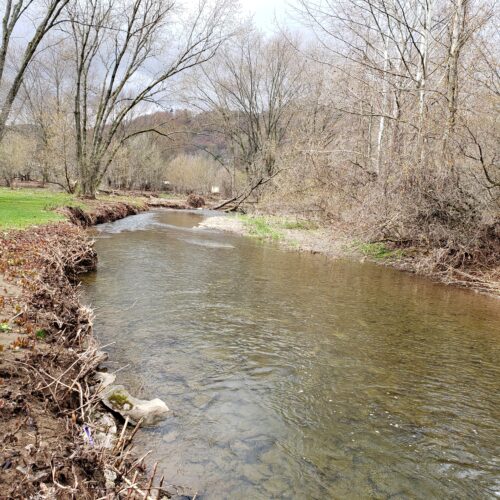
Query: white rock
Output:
(105,379)
(119,400)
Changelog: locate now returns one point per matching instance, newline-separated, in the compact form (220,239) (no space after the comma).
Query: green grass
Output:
(271,227)
(378,251)
(261,227)
(24,207)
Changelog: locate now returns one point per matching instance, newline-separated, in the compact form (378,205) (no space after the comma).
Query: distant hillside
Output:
(191,133)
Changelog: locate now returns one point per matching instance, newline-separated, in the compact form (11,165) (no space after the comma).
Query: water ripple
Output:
(290,376)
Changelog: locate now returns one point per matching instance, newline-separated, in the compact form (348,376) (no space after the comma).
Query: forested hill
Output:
(186,132)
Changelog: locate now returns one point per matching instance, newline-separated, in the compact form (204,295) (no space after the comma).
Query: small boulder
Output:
(118,399)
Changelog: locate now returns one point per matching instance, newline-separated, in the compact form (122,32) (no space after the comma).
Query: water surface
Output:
(292,376)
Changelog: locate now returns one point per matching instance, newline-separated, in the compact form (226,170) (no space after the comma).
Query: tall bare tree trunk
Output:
(456,42)
(427,11)
(381,125)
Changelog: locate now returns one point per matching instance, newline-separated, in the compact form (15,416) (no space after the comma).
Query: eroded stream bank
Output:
(293,376)
(57,440)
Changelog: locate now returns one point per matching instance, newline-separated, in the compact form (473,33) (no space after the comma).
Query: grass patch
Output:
(271,228)
(261,227)
(41,334)
(378,251)
(22,208)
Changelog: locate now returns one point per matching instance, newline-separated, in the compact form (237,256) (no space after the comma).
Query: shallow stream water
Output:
(293,376)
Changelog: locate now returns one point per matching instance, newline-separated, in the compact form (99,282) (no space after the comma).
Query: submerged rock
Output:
(118,399)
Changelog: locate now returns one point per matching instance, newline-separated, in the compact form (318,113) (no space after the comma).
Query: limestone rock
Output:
(105,379)
(118,399)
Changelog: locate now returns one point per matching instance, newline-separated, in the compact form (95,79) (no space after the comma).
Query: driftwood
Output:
(240,198)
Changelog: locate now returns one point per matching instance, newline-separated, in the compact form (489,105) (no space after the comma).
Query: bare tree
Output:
(250,92)
(18,15)
(125,55)
(47,104)
(16,155)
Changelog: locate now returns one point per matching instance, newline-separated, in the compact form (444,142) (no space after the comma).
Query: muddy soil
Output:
(50,414)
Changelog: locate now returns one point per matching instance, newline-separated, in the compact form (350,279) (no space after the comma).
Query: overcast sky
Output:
(264,12)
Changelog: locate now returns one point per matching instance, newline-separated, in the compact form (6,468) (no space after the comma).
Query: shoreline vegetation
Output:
(58,438)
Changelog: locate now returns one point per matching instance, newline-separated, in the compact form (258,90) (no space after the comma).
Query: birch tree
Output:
(392,41)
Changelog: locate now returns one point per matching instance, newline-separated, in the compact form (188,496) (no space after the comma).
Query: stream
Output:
(293,376)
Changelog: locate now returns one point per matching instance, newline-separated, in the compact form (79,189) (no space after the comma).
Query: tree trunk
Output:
(87,185)
(381,125)
(456,40)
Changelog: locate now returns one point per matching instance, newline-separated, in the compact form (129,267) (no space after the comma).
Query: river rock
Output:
(118,399)
(105,379)
(105,431)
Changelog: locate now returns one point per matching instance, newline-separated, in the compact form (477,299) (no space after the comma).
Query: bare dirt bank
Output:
(56,437)
(98,212)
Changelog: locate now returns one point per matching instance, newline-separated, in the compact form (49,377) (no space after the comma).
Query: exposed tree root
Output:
(102,212)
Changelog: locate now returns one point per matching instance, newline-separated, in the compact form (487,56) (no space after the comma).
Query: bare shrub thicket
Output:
(197,174)
(16,154)
(139,164)
(398,134)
